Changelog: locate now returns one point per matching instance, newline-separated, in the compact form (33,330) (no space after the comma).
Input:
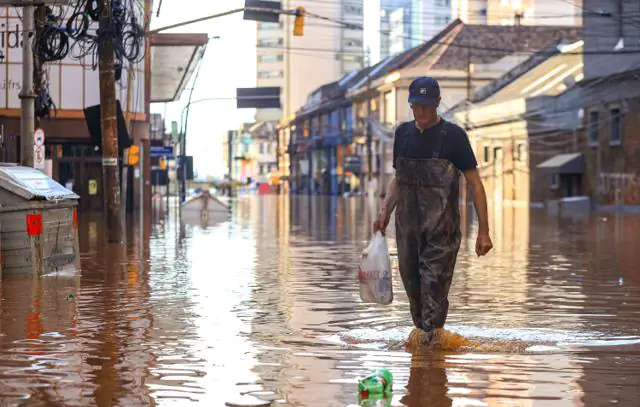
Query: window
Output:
(389,107)
(498,154)
(270,26)
(485,154)
(616,127)
(350,9)
(268,42)
(520,152)
(270,74)
(350,42)
(270,57)
(352,58)
(593,127)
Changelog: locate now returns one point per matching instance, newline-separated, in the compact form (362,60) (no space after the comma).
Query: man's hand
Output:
(483,244)
(380,224)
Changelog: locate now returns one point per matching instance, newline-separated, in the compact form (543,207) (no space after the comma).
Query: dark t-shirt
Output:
(409,142)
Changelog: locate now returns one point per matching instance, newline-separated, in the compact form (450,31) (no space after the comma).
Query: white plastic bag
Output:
(374,272)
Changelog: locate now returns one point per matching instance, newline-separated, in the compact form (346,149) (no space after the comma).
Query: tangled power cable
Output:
(79,37)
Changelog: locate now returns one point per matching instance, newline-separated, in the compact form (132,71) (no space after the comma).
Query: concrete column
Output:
(332,165)
(382,185)
(311,181)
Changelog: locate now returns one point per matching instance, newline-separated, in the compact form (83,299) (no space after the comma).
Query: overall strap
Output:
(405,145)
(441,136)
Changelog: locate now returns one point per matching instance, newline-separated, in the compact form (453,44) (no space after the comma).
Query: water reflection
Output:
(265,306)
(428,383)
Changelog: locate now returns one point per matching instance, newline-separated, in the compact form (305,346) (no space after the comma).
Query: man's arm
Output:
(391,198)
(479,200)
(387,207)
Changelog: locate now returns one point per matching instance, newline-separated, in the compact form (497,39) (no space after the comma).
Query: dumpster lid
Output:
(31,184)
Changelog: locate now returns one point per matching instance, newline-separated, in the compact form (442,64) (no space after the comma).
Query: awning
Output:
(563,164)
(174,57)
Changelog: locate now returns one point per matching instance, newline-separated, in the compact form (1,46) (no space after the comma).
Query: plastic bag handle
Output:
(374,237)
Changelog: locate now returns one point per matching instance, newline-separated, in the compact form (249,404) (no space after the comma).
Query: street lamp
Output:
(183,135)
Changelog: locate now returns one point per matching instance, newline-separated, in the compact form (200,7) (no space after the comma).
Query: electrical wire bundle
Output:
(79,35)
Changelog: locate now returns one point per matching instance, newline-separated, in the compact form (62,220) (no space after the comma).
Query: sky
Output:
(229,63)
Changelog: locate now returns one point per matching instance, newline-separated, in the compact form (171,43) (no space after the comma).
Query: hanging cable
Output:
(79,36)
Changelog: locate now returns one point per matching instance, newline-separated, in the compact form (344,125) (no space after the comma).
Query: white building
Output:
(299,65)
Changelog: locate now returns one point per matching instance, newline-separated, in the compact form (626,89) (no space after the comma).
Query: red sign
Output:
(34,224)
(264,188)
(368,275)
(75,219)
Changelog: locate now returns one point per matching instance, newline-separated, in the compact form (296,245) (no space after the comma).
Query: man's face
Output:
(425,114)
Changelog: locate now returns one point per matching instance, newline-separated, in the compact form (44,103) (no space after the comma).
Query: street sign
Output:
(353,164)
(161,151)
(38,138)
(38,157)
(260,98)
(262,10)
(93,187)
(174,131)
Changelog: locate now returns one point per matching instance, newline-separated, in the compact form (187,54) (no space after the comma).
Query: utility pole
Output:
(518,18)
(108,118)
(37,71)
(287,55)
(368,125)
(27,97)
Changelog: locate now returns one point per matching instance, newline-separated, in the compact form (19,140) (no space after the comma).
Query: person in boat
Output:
(429,154)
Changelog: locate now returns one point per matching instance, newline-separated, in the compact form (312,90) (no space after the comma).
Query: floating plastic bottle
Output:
(377,385)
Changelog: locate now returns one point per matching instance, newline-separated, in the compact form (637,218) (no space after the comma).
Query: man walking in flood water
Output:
(429,153)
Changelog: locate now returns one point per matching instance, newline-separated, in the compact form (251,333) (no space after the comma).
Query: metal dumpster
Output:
(38,223)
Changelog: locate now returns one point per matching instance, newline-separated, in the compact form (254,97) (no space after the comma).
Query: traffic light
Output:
(298,24)
(132,155)
(163,164)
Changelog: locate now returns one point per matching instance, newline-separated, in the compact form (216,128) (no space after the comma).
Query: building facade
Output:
(72,131)
(516,124)
(250,153)
(400,32)
(603,164)
(581,124)
(298,65)
(610,107)
(518,12)
(428,18)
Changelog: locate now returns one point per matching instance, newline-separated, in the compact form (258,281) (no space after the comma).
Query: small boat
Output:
(204,209)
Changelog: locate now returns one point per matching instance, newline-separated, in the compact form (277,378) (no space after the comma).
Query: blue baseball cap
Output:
(424,91)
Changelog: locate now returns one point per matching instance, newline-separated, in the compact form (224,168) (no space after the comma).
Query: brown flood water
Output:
(266,307)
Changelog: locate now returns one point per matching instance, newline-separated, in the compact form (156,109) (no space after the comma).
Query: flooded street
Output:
(266,307)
